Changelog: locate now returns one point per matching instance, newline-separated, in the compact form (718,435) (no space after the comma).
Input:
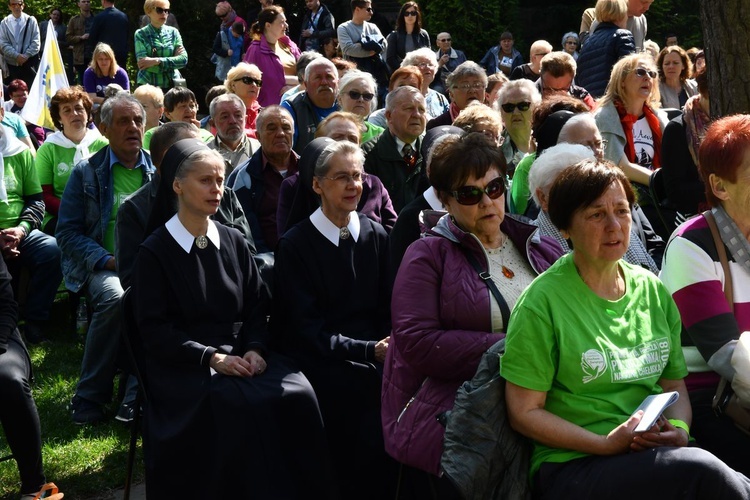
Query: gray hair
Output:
(323,164)
(466,69)
(351,76)
(106,111)
(571,124)
(268,110)
(226,98)
(304,60)
(551,162)
(393,95)
(523,84)
(321,61)
(425,52)
(200,156)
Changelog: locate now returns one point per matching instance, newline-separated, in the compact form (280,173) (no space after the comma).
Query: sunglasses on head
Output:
(249,80)
(161,11)
(353,94)
(411,13)
(471,195)
(508,107)
(640,72)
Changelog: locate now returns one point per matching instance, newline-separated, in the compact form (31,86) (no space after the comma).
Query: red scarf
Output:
(628,120)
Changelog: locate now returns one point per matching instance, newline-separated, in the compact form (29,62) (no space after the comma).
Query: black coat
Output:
(601,51)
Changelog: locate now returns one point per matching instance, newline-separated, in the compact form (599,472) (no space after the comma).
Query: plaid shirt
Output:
(161,43)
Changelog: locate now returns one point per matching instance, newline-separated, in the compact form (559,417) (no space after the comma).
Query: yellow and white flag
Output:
(49,79)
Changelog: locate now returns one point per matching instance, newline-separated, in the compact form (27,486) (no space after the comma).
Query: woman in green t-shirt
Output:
(578,369)
(70,109)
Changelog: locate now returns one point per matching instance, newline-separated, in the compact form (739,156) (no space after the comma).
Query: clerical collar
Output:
(183,237)
(432,199)
(331,232)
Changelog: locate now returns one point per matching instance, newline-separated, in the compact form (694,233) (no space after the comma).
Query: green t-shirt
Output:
(20,180)
(519,192)
(55,163)
(125,182)
(596,359)
(206,136)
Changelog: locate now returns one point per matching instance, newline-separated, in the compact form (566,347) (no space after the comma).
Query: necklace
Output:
(201,242)
(495,255)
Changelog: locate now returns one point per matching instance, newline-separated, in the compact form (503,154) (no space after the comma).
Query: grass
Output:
(85,462)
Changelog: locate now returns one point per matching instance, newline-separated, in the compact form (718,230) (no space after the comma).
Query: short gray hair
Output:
(323,164)
(267,110)
(464,70)
(390,99)
(523,84)
(424,52)
(320,61)
(351,76)
(571,124)
(226,98)
(107,109)
(551,162)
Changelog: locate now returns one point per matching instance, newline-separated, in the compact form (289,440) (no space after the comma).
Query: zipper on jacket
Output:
(408,403)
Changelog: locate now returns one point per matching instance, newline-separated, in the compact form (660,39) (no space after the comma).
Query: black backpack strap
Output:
(485,275)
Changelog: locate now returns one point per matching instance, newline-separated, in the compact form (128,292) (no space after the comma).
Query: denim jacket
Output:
(85,211)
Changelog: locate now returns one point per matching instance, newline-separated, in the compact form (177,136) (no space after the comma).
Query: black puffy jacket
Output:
(603,48)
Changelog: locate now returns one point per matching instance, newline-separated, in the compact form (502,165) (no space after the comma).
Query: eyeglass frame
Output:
(457,195)
(469,86)
(446,40)
(249,80)
(642,72)
(510,107)
(161,10)
(365,96)
(346,178)
(411,13)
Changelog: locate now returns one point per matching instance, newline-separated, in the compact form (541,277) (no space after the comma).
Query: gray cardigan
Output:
(610,127)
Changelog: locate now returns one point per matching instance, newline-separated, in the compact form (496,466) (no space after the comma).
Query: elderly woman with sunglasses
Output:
(245,80)
(445,316)
(159,50)
(358,94)
(517,101)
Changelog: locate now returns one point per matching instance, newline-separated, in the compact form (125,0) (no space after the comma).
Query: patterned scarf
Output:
(696,123)
(628,120)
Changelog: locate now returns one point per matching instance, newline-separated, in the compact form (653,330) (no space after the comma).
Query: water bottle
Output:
(82,318)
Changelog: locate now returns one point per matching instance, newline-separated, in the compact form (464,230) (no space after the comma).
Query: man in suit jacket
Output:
(111,27)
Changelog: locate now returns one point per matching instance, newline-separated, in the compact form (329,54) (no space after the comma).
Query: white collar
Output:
(400,145)
(432,199)
(329,229)
(183,237)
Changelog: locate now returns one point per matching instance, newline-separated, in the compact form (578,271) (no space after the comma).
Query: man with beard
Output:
(395,156)
(228,118)
(310,107)
(465,84)
(179,106)
(257,182)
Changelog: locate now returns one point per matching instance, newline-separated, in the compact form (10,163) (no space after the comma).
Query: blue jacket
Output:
(85,211)
(490,61)
(600,52)
(111,26)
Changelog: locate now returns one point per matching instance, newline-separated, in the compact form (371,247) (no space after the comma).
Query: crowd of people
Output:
(319,264)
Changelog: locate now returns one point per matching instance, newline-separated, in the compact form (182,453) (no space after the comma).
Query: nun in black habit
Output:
(226,418)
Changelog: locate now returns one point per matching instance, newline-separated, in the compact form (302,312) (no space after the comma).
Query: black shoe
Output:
(126,413)
(34,333)
(85,412)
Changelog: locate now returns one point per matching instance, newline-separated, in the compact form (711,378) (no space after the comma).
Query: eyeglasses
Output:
(571,42)
(353,94)
(597,146)
(161,11)
(411,13)
(542,54)
(16,4)
(469,86)
(424,65)
(444,40)
(509,107)
(222,16)
(369,9)
(249,80)
(471,195)
(345,179)
(640,73)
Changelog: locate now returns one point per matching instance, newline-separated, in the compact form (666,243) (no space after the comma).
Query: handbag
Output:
(725,402)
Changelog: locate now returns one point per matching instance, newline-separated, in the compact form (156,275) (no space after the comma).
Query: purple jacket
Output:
(440,312)
(260,54)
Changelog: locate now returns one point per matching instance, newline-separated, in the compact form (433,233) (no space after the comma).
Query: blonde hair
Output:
(150,92)
(620,71)
(611,10)
(241,67)
(150,5)
(103,48)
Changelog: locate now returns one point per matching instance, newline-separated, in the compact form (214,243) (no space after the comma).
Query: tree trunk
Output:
(726,31)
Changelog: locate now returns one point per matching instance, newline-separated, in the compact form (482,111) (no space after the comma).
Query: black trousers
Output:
(27,73)
(18,414)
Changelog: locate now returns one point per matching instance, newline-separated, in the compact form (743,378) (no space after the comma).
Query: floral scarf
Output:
(628,120)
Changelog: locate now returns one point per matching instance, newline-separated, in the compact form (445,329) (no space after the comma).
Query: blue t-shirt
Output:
(96,85)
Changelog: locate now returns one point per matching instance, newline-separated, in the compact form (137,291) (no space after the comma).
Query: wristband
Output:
(680,425)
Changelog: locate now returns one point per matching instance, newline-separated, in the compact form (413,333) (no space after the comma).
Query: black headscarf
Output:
(549,130)
(165,204)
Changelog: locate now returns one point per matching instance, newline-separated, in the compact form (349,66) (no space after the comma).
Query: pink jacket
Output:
(440,311)
(261,54)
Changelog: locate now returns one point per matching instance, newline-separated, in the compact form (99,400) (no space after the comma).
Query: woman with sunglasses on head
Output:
(159,50)
(245,80)
(274,53)
(516,102)
(631,122)
(358,94)
(445,316)
(407,36)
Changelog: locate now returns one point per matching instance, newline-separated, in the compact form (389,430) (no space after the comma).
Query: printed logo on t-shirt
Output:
(627,364)
(10,182)
(120,198)
(62,169)
(506,61)
(643,139)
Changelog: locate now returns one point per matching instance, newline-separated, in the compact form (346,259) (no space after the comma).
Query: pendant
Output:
(344,233)
(508,273)
(201,242)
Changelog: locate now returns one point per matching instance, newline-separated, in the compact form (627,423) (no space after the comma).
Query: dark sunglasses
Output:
(161,11)
(223,15)
(411,13)
(471,195)
(640,72)
(445,40)
(508,107)
(353,94)
(249,80)
(369,9)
